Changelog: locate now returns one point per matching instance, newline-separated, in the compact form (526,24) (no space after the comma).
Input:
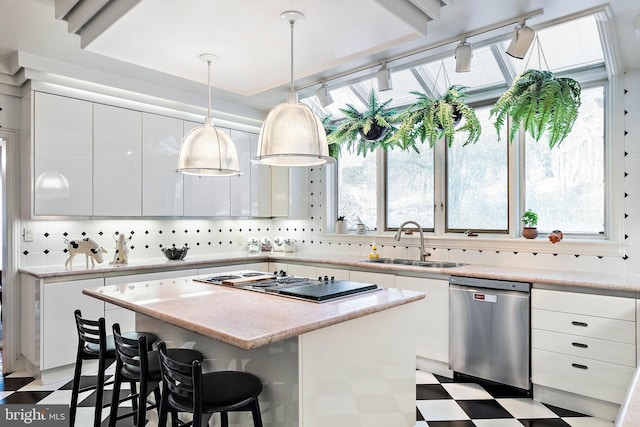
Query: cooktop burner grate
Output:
(217,279)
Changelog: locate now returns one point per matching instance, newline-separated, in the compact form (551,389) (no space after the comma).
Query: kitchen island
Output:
(338,363)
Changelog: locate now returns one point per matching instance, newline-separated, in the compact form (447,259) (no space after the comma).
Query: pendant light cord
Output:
(291,23)
(209,87)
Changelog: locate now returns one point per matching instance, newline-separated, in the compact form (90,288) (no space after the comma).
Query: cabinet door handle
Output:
(583,324)
(579,366)
(579,344)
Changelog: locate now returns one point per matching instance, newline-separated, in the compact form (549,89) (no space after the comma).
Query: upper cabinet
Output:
(162,184)
(117,154)
(241,185)
(93,159)
(63,155)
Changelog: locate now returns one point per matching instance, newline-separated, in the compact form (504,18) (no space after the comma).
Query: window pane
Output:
(357,189)
(565,185)
(410,187)
(478,181)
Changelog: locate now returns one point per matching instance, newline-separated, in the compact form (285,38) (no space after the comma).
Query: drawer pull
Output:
(583,324)
(579,366)
(579,344)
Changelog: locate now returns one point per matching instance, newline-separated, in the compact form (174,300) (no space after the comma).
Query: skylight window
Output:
(567,47)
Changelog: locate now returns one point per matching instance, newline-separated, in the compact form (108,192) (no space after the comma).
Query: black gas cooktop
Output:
(321,290)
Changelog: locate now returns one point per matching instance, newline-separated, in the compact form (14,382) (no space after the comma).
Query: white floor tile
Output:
(5,394)
(36,385)
(526,408)
(18,374)
(422,424)
(507,422)
(57,398)
(587,422)
(441,410)
(466,391)
(423,377)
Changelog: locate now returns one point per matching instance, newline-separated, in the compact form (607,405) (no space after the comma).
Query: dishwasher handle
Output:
(488,291)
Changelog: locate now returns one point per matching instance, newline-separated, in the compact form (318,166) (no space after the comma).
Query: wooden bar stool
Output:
(94,344)
(135,364)
(186,389)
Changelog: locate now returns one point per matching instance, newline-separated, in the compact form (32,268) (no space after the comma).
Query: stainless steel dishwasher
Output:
(489,334)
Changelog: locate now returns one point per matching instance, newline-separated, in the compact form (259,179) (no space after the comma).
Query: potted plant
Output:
(530,222)
(365,131)
(341,225)
(431,119)
(539,102)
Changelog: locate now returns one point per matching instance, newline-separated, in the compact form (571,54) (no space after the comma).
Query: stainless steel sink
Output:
(416,263)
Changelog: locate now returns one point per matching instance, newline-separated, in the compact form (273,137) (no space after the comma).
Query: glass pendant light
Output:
(292,135)
(206,150)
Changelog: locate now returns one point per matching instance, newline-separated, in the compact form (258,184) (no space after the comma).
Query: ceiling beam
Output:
(431,8)
(407,12)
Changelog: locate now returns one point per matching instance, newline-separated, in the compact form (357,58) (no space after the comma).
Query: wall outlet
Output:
(28,234)
(240,240)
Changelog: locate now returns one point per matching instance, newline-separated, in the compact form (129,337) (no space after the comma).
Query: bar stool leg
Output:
(75,392)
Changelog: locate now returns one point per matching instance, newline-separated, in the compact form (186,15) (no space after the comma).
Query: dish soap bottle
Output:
(374,250)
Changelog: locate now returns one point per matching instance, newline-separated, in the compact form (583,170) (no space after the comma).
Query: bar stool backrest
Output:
(182,381)
(92,335)
(129,351)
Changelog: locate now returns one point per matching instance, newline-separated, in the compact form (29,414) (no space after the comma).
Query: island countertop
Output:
(242,318)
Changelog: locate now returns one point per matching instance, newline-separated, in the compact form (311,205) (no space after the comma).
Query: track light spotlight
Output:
(464,53)
(384,78)
(521,41)
(324,96)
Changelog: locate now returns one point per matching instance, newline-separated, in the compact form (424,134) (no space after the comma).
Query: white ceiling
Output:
(159,41)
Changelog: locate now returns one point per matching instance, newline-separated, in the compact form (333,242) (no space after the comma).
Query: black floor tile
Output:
(564,412)
(483,409)
(544,422)
(25,397)
(419,416)
(431,392)
(457,423)
(14,384)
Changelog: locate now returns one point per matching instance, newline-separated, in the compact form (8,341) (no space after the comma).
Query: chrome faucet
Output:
(423,254)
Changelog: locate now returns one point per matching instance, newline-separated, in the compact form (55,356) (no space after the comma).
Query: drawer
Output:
(587,304)
(587,347)
(585,326)
(592,378)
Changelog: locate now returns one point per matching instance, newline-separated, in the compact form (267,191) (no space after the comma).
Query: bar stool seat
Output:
(139,366)
(94,344)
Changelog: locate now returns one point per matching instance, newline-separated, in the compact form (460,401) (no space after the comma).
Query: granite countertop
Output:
(602,281)
(242,318)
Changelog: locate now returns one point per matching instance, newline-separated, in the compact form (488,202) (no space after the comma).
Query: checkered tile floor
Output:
(441,402)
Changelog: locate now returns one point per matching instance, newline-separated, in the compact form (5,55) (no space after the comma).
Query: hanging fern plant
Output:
(539,103)
(363,132)
(430,119)
(329,128)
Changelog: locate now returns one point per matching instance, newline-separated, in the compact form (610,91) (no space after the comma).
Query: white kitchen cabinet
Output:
(290,192)
(58,336)
(336,273)
(261,182)
(206,195)
(63,156)
(431,324)
(380,279)
(583,343)
(117,156)
(298,193)
(279,191)
(241,185)
(162,184)
(308,271)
